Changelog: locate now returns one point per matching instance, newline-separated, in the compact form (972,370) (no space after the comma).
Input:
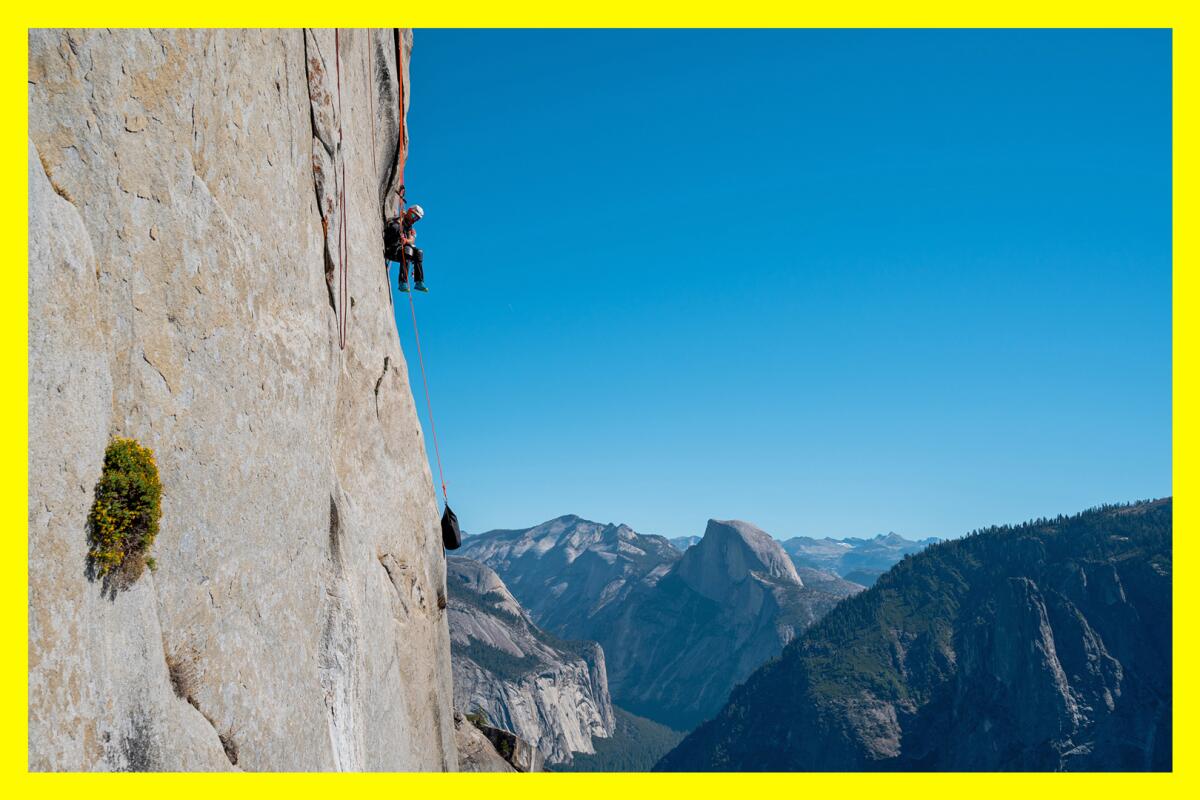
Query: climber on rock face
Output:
(398,239)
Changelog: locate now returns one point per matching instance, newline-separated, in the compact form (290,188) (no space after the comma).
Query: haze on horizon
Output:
(833,283)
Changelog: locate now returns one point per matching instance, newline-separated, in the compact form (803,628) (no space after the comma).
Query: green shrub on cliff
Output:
(128,505)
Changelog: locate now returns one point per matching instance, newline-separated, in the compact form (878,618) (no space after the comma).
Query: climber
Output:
(398,238)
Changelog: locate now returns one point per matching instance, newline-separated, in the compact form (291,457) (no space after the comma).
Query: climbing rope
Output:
(412,306)
(428,406)
(343,240)
(374,162)
(401,137)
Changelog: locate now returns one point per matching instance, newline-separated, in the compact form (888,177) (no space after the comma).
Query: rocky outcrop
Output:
(180,293)
(730,553)
(1044,646)
(549,692)
(476,753)
(678,630)
(513,749)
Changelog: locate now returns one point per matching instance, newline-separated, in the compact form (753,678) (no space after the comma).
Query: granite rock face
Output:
(180,292)
(730,552)
(549,692)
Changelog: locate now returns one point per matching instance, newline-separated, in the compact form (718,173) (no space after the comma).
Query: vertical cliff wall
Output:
(185,290)
(550,692)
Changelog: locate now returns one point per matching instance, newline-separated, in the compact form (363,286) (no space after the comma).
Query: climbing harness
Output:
(343,240)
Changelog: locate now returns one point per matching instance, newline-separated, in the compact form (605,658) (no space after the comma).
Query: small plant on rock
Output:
(124,517)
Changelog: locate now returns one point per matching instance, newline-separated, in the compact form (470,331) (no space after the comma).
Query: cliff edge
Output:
(186,264)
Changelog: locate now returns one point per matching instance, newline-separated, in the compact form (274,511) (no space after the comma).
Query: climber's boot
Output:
(420,286)
(402,285)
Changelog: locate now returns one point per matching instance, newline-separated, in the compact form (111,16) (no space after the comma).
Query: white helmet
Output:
(417,211)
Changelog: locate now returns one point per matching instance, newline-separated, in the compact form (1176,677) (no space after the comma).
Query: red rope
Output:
(402,138)
(374,163)
(400,155)
(343,240)
(428,406)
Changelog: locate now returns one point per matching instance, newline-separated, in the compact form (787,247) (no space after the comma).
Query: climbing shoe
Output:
(402,286)
(420,287)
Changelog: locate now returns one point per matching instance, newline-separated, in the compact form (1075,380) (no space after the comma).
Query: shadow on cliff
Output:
(116,581)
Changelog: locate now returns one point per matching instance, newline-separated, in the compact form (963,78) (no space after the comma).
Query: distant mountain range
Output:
(682,543)
(859,560)
(569,570)
(1045,646)
(679,630)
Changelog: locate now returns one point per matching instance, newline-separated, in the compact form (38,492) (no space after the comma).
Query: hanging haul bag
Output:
(451,536)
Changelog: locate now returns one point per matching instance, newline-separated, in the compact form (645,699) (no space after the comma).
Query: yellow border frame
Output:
(541,13)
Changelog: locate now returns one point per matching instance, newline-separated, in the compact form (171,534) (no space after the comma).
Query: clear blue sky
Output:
(831,282)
